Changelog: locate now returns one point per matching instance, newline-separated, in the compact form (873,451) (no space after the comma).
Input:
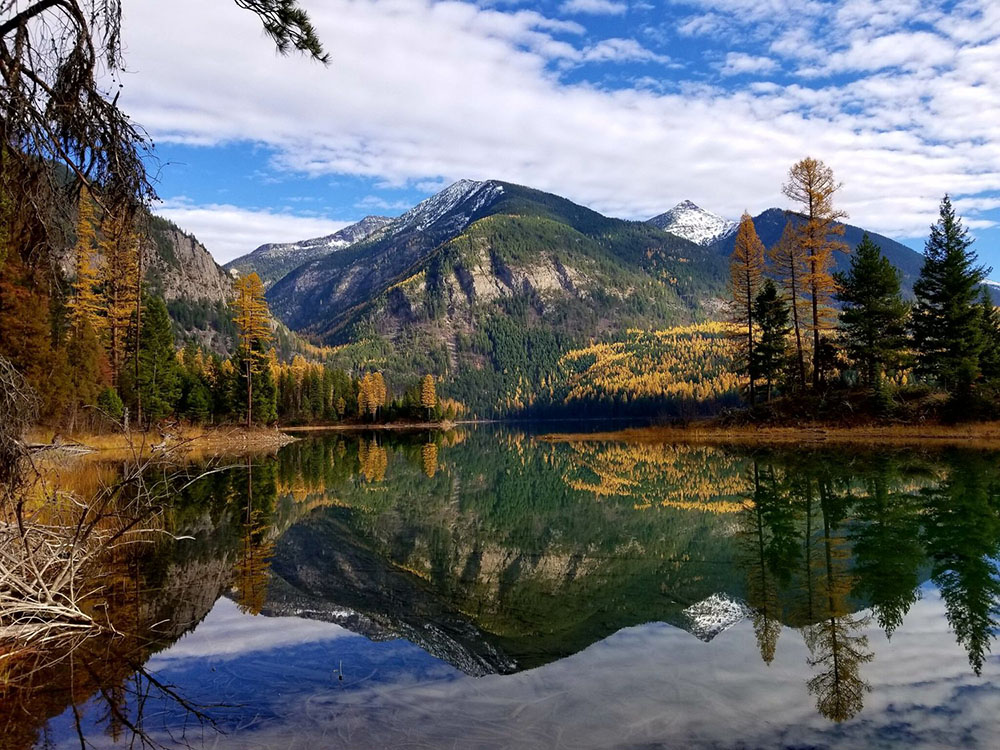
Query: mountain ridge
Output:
(271,261)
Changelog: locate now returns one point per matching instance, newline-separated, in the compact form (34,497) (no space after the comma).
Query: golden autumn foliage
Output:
(791,266)
(811,184)
(686,477)
(686,363)
(429,458)
(746,268)
(85,304)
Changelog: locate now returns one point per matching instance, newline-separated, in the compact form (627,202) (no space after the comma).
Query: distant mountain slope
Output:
(771,223)
(693,223)
(326,296)
(272,261)
(488,284)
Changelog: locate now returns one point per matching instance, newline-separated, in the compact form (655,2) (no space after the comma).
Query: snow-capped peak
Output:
(713,615)
(693,223)
(434,208)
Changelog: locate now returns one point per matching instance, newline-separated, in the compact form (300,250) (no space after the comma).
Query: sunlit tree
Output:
(812,186)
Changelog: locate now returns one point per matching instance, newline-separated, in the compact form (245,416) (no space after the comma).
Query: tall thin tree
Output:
(253,322)
(791,267)
(746,268)
(811,184)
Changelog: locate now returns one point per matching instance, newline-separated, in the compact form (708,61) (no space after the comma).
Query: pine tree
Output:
(252,320)
(159,378)
(791,267)
(122,285)
(989,318)
(746,267)
(811,184)
(428,394)
(947,332)
(873,317)
(771,313)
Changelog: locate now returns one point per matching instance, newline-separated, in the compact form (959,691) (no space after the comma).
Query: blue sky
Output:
(627,106)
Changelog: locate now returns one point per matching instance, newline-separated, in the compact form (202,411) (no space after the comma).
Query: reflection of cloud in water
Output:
(227,633)
(642,687)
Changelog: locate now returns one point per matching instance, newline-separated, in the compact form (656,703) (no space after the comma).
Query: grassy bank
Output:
(186,441)
(975,435)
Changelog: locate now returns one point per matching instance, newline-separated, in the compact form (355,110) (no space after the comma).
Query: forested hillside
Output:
(489,285)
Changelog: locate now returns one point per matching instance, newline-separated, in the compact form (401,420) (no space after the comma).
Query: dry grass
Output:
(980,435)
(188,442)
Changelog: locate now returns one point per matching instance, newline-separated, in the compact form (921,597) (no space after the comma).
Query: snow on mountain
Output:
(468,195)
(693,223)
(274,260)
(336,241)
(714,615)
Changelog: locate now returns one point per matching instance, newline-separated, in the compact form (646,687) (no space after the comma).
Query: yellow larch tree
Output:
(790,265)
(85,305)
(428,394)
(811,184)
(253,323)
(746,268)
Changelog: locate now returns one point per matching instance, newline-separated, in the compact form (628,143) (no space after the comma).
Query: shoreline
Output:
(399,426)
(976,435)
(184,442)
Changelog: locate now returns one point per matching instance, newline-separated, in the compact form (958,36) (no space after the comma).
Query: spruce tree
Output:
(159,381)
(771,313)
(989,320)
(873,316)
(947,332)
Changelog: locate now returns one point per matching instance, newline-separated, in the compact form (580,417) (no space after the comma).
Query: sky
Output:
(625,106)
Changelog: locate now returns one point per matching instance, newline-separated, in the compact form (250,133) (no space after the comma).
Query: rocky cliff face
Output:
(181,268)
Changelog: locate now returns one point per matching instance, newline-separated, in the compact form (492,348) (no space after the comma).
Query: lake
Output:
(483,588)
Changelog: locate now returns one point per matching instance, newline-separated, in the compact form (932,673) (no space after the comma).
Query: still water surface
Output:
(483,589)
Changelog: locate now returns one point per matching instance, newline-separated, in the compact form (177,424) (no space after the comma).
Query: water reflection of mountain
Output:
(498,553)
(509,553)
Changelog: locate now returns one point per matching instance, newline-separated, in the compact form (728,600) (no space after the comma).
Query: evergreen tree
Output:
(122,282)
(989,319)
(159,381)
(812,185)
(873,317)
(771,314)
(746,267)
(947,331)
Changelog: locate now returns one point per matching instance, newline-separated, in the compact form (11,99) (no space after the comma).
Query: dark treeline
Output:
(825,341)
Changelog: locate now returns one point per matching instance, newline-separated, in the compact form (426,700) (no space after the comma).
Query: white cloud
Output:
(740,63)
(230,231)
(227,633)
(594,7)
(621,50)
(422,91)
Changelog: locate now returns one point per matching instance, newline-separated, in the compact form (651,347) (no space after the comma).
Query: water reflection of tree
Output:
(963,541)
(253,562)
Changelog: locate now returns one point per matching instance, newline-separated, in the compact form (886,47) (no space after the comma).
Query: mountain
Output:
(771,223)
(488,284)
(274,260)
(693,223)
